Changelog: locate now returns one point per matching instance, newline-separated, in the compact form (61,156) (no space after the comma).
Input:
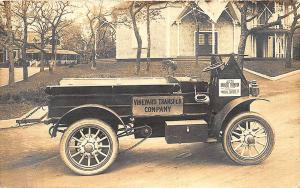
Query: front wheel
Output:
(248,139)
(89,146)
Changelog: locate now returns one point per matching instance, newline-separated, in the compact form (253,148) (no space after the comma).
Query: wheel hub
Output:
(89,148)
(249,139)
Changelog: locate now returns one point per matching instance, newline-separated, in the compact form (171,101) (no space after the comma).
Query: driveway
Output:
(31,159)
(18,74)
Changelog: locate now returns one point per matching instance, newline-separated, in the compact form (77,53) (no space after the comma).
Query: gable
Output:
(212,9)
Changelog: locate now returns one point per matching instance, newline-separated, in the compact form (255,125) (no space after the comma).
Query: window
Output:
(209,38)
(201,39)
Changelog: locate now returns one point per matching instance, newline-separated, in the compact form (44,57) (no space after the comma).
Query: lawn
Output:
(23,96)
(271,68)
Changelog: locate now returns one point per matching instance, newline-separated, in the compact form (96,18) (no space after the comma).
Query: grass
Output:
(23,96)
(271,68)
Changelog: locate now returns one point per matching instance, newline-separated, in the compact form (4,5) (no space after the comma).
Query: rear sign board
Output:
(229,87)
(157,105)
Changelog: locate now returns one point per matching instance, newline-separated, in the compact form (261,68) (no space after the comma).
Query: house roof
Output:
(48,51)
(213,9)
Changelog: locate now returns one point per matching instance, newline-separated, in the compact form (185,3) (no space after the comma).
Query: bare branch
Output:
(274,23)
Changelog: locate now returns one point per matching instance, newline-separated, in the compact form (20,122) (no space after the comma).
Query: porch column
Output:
(213,50)
(276,48)
(252,46)
(285,46)
(234,50)
(197,43)
(178,37)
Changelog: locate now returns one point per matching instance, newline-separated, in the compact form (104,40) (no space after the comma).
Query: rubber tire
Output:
(232,155)
(79,124)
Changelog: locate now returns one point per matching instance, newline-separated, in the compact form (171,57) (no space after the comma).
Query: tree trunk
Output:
(290,35)
(243,37)
(94,52)
(139,42)
(24,47)
(241,49)
(148,40)
(42,64)
(8,14)
(53,47)
(93,55)
(289,58)
(197,43)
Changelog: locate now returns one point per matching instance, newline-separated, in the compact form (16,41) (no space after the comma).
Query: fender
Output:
(63,121)
(241,103)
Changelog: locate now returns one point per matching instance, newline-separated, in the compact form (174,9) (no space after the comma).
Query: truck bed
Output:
(127,81)
(117,93)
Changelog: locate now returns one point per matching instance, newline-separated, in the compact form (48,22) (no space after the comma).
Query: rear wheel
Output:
(89,146)
(248,139)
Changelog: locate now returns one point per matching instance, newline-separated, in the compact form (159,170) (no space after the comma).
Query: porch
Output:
(269,43)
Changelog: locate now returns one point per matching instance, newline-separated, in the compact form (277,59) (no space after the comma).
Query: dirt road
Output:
(29,157)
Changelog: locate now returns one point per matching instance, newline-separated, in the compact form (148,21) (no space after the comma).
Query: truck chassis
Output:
(94,113)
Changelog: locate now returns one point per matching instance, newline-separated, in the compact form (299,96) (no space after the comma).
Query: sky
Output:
(80,11)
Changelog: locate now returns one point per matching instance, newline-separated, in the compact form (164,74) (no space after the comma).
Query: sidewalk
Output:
(18,74)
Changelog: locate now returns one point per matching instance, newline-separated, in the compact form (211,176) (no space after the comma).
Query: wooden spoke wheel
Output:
(248,139)
(89,146)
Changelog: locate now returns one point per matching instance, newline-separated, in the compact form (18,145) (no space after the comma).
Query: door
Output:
(204,43)
(259,46)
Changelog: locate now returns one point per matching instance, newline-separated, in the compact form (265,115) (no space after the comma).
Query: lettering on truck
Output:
(157,105)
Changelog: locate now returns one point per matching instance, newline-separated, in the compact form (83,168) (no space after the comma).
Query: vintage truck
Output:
(94,113)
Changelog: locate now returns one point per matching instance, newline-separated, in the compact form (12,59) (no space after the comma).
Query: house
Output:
(63,56)
(174,34)
(4,55)
(271,42)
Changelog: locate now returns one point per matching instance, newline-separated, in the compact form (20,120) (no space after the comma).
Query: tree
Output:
(99,26)
(92,18)
(138,12)
(42,27)
(72,38)
(2,24)
(195,15)
(120,15)
(25,10)
(9,46)
(106,35)
(290,34)
(58,10)
(148,38)
(152,14)
(248,13)
(134,8)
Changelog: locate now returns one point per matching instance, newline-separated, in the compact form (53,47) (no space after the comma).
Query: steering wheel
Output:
(212,67)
